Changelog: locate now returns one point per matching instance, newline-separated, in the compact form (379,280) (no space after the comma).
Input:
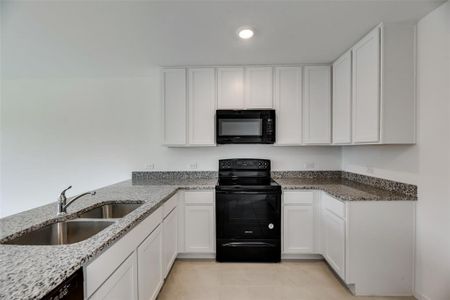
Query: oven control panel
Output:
(244,164)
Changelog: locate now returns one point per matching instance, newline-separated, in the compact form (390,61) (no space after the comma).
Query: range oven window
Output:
(240,127)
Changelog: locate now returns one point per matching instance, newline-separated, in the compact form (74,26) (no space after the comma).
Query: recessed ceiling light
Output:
(245,33)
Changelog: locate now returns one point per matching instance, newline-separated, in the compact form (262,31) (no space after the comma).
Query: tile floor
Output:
(299,280)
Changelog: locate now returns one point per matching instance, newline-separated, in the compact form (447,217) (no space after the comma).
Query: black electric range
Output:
(248,212)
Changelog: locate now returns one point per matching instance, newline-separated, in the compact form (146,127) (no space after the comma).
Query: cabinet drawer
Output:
(333,205)
(199,197)
(298,197)
(170,205)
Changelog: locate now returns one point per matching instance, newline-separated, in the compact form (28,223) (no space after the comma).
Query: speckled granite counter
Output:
(344,189)
(29,272)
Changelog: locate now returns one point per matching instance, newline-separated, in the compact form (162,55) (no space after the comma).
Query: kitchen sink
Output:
(110,211)
(61,233)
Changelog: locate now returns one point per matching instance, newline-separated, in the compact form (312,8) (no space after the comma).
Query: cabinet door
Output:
(230,88)
(202,106)
(366,89)
(335,242)
(298,229)
(174,106)
(342,99)
(199,228)
(170,239)
(122,284)
(317,105)
(150,266)
(288,105)
(258,87)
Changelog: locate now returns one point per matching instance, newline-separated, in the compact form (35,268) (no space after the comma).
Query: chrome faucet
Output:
(62,202)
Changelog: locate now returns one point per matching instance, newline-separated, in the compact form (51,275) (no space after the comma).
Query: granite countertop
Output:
(344,189)
(30,272)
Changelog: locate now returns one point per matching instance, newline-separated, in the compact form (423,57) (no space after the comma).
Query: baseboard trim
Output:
(420,296)
(301,257)
(196,256)
(283,256)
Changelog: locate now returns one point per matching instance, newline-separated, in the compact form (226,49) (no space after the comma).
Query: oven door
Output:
(248,215)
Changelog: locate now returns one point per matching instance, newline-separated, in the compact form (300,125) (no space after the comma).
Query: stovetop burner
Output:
(245,174)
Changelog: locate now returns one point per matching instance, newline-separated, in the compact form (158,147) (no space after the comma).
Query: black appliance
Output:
(245,126)
(69,289)
(248,212)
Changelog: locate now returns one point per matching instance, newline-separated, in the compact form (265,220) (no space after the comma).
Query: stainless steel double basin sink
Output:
(76,230)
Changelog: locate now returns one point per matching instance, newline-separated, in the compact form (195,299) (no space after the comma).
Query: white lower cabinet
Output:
(150,265)
(334,237)
(298,222)
(122,284)
(170,238)
(298,233)
(196,224)
(136,265)
(199,228)
(367,246)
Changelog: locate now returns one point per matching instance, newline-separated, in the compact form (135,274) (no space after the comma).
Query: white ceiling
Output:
(122,38)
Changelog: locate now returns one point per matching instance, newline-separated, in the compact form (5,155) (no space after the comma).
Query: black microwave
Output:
(245,126)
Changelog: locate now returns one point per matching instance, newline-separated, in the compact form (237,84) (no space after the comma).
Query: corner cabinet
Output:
(317,105)
(342,99)
(367,246)
(366,89)
(383,105)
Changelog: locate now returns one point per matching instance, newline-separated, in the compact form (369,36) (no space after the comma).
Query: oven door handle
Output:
(248,244)
(231,191)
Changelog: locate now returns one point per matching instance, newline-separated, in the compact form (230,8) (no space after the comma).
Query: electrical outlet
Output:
(310,165)
(193,166)
(151,167)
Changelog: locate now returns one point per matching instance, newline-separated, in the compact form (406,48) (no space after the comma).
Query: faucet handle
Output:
(63,193)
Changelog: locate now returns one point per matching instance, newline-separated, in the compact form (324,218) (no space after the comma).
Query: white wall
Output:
(91,132)
(433,207)
(81,106)
(395,162)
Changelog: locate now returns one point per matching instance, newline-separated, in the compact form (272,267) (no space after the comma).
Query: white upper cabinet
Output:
(317,105)
(342,99)
(174,106)
(383,86)
(366,89)
(202,106)
(288,105)
(230,88)
(258,87)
